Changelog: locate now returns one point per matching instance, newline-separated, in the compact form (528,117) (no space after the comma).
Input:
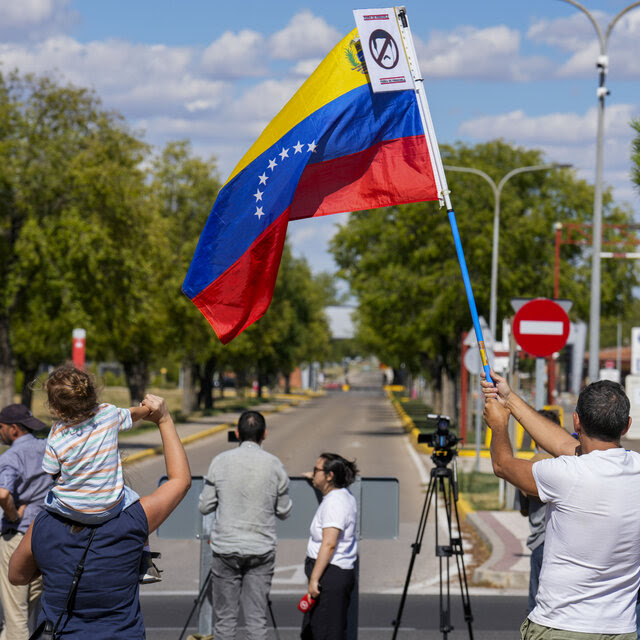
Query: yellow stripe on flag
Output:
(335,76)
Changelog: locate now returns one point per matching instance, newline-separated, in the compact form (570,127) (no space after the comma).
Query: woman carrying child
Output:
(106,605)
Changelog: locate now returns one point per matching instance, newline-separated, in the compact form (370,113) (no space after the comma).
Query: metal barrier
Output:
(378,517)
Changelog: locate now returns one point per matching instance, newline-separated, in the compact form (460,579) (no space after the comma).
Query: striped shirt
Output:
(86,461)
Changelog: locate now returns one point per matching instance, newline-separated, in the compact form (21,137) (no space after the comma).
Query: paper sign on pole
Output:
(383,49)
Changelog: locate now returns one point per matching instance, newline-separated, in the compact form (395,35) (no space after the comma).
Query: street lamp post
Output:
(594,311)
(497,191)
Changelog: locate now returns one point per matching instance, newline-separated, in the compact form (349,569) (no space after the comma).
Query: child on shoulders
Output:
(82,454)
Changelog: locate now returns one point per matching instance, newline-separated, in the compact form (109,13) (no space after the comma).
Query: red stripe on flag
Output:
(391,172)
(242,294)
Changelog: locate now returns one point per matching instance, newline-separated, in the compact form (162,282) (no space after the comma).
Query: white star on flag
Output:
(259,212)
(312,146)
(284,153)
(272,164)
(298,147)
(263,178)
(258,195)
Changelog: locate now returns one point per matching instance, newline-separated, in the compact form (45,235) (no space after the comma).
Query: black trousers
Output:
(327,620)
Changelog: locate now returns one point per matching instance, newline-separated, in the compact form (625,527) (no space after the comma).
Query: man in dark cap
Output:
(23,487)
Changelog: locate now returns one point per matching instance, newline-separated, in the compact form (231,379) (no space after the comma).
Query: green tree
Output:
(184,187)
(400,262)
(78,239)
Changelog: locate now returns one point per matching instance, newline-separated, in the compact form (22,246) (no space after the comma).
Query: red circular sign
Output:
(541,327)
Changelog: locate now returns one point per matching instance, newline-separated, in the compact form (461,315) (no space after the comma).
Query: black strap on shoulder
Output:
(74,584)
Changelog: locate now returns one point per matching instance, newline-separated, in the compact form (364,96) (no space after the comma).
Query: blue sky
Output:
(216,72)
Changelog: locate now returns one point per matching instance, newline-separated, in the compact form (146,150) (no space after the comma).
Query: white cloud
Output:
(576,35)
(30,19)
(141,79)
(305,68)
(264,100)
(570,138)
(162,90)
(235,55)
(490,53)
(26,11)
(305,36)
(570,33)
(558,128)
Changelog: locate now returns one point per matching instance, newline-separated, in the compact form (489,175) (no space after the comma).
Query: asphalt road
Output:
(358,424)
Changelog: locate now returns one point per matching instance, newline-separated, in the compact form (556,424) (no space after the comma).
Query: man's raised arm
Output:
(505,465)
(546,433)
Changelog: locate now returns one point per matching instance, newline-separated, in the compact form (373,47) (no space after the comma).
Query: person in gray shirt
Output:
(23,487)
(248,489)
(536,510)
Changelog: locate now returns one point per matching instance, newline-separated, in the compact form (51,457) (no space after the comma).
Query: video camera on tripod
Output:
(442,439)
(443,483)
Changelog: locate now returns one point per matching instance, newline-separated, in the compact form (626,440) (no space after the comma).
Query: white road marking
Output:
(297,575)
(422,472)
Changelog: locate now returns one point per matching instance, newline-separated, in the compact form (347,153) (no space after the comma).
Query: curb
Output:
(157,451)
(464,508)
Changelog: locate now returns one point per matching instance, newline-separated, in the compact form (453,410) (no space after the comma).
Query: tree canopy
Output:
(76,233)
(97,230)
(400,262)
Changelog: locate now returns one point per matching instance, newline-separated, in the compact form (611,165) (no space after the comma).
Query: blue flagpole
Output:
(439,175)
(467,285)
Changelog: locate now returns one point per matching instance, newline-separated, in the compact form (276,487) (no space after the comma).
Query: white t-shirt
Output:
(591,568)
(338,509)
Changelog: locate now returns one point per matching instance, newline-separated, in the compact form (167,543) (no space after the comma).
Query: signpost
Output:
(79,343)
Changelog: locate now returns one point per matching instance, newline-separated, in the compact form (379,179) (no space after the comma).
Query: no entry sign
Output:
(541,327)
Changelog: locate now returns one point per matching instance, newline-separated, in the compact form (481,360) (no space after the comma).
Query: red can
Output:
(306,603)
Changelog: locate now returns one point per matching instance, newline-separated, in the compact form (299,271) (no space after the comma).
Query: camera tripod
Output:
(203,594)
(444,481)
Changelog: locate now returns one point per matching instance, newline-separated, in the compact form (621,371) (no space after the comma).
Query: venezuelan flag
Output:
(335,146)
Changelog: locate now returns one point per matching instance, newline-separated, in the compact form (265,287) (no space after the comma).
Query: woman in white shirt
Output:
(332,549)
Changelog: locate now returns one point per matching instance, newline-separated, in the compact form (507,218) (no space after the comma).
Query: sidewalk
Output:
(505,533)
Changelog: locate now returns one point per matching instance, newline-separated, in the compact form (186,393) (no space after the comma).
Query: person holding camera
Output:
(332,550)
(591,565)
(90,572)
(248,489)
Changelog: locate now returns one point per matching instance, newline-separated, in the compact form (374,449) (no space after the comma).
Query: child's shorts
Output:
(51,503)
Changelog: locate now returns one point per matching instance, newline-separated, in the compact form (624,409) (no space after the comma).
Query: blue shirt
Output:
(106,605)
(21,474)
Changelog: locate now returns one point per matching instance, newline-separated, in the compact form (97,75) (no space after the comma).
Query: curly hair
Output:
(72,395)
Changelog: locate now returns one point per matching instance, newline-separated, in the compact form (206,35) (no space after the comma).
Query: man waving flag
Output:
(336,146)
